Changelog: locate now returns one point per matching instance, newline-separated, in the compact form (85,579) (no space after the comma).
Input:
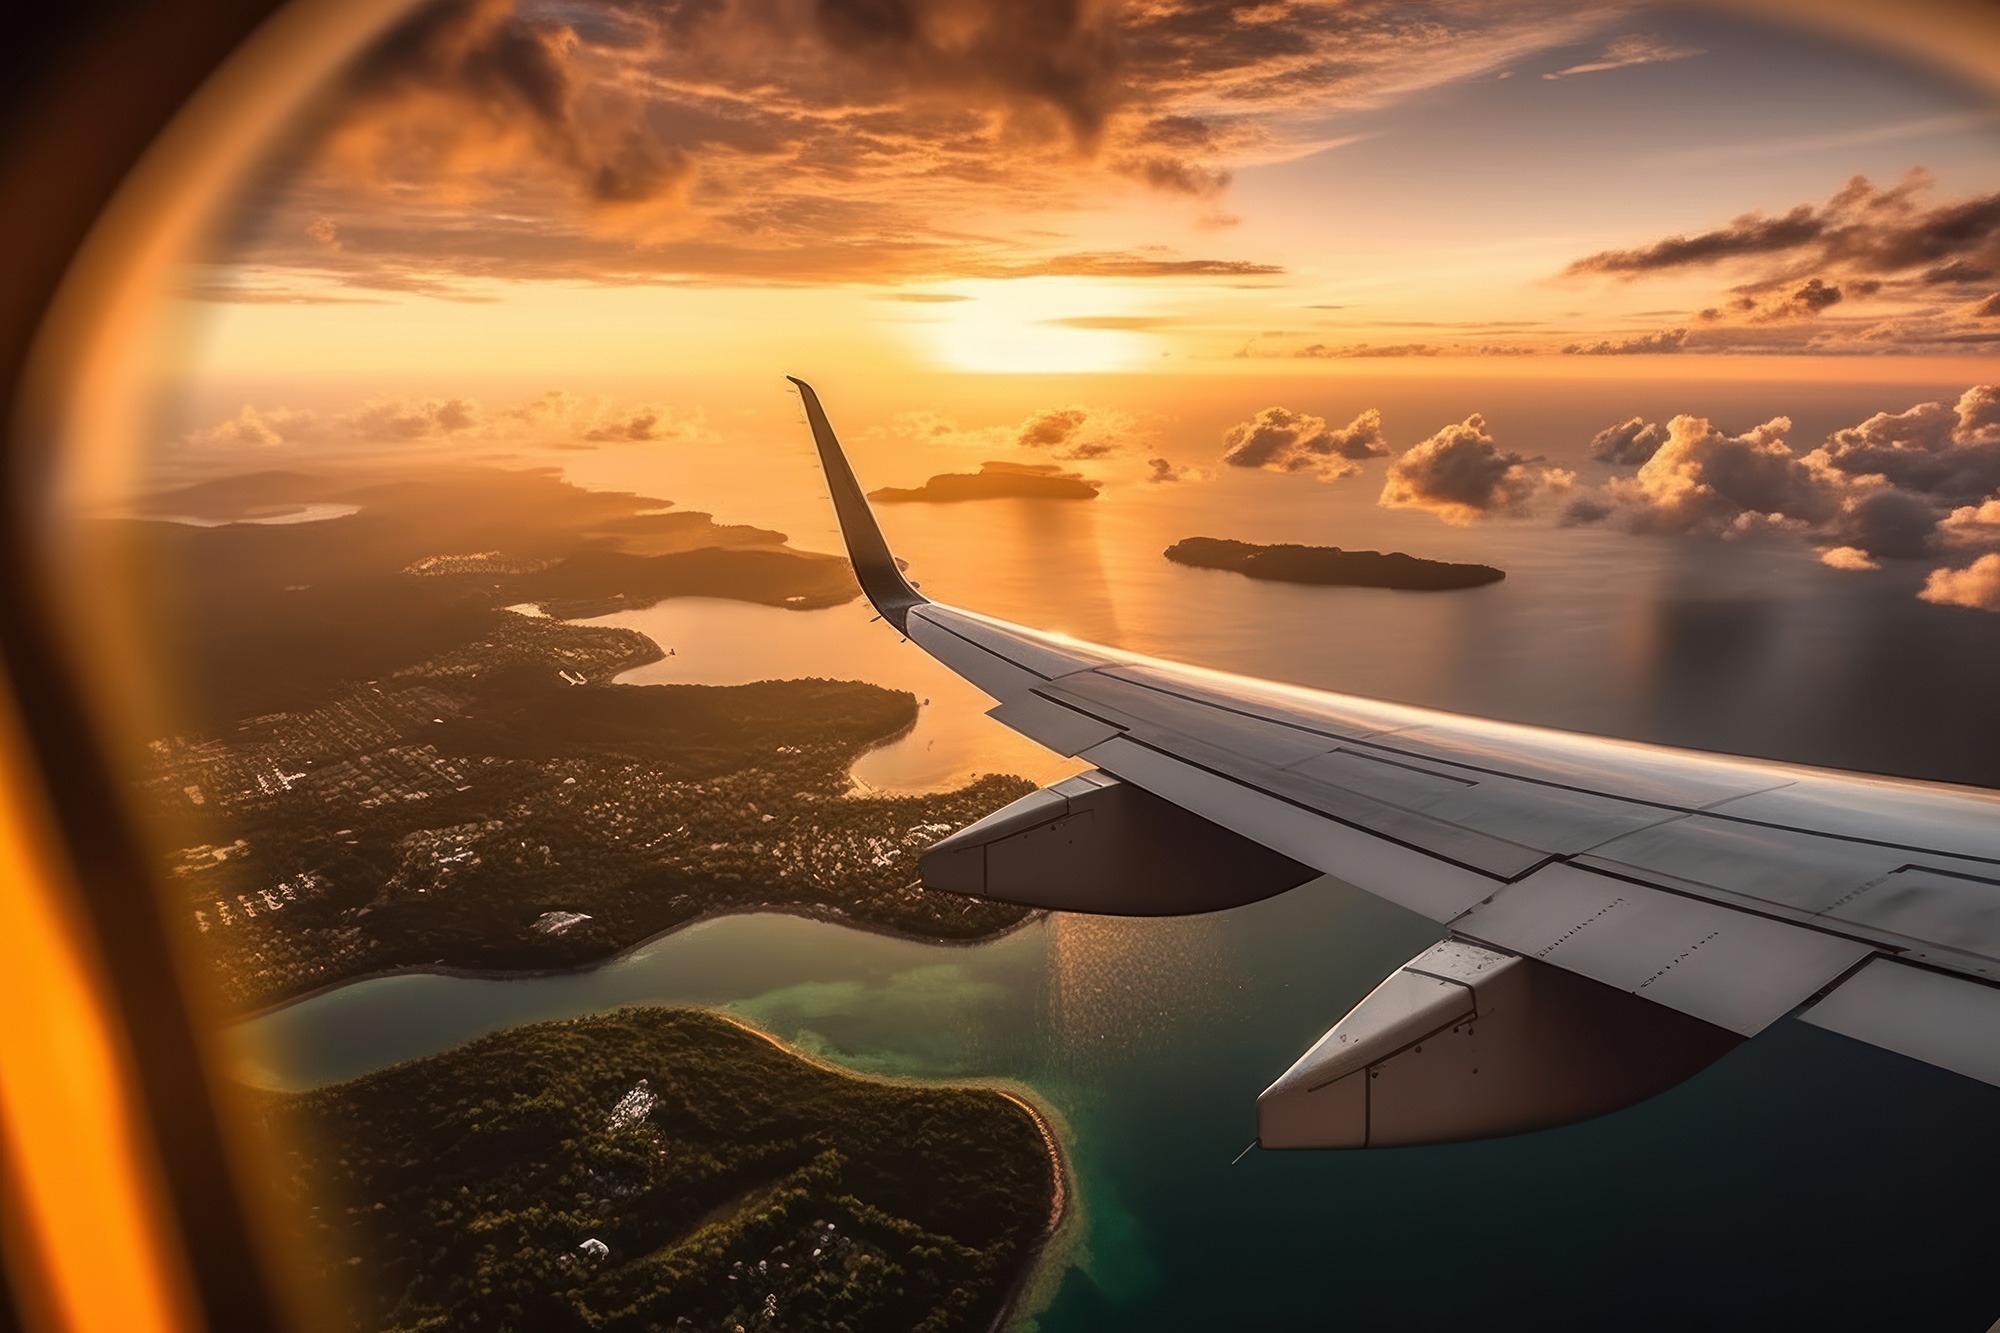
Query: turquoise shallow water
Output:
(1804,1182)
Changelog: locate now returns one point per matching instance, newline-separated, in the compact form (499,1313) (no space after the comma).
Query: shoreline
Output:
(820,912)
(1061,1188)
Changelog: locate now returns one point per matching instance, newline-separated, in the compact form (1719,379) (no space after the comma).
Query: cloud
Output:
(857,140)
(1976,586)
(1972,526)
(1281,440)
(1651,344)
(1628,51)
(1750,234)
(378,421)
(1047,430)
(1951,453)
(1700,479)
(1935,261)
(1897,485)
(1632,441)
(556,418)
(1163,470)
(1113,323)
(1846,557)
(1073,432)
(1461,475)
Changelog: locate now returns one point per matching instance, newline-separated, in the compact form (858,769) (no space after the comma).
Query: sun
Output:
(1037,326)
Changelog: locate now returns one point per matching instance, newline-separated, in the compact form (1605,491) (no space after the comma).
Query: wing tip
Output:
(875,567)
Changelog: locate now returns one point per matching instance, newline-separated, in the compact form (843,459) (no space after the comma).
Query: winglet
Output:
(881,579)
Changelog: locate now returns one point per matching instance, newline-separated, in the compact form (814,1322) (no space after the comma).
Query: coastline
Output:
(1036,1259)
(821,912)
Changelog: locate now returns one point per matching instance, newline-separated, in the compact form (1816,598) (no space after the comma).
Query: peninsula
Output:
(659,1169)
(390,759)
(1330,565)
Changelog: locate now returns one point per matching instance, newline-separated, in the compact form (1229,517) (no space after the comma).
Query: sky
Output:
(590,224)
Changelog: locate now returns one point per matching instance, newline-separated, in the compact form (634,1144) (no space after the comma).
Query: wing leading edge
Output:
(1728,890)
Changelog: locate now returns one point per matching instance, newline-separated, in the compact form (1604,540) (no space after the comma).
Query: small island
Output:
(659,1169)
(1330,565)
(995,481)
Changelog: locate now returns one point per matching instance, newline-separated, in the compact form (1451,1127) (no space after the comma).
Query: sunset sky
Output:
(569,218)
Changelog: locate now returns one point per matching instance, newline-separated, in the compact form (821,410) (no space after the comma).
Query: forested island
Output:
(1330,565)
(663,1169)
(995,481)
(384,768)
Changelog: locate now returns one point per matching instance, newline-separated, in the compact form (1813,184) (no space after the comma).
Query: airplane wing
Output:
(1618,915)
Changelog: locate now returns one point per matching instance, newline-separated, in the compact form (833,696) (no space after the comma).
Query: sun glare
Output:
(1036,326)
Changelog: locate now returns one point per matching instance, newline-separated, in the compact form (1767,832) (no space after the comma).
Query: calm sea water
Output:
(1805,1182)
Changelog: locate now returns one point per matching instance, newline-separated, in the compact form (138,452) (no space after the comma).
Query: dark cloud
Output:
(470,81)
(1281,440)
(1058,54)
(1048,430)
(1632,441)
(1865,242)
(1461,475)
(1951,454)
(1163,470)
(1750,234)
(1650,344)
(816,140)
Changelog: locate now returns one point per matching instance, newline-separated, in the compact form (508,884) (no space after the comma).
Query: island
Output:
(995,481)
(663,1169)
(1330,565)
(395,754)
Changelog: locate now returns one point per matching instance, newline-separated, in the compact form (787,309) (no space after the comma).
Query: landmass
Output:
(404,773)
(663,1169)
(271,616)
(1287,563)
(993,481)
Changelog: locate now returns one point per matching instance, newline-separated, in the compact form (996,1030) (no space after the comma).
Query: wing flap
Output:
(1729,968)
(1926,1015)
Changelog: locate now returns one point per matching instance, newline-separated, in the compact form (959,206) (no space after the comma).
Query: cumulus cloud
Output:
(1650,344)
(1847,557)
(554,416)
(1897,485)
(1700,479)
(1461,475)
(1632,441)
(1281,440)
(1951,453)
(1972,526)
(1072,432)
(1164,470)
(1052,429)
(1626,52)
(379,420)
(1976,586)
